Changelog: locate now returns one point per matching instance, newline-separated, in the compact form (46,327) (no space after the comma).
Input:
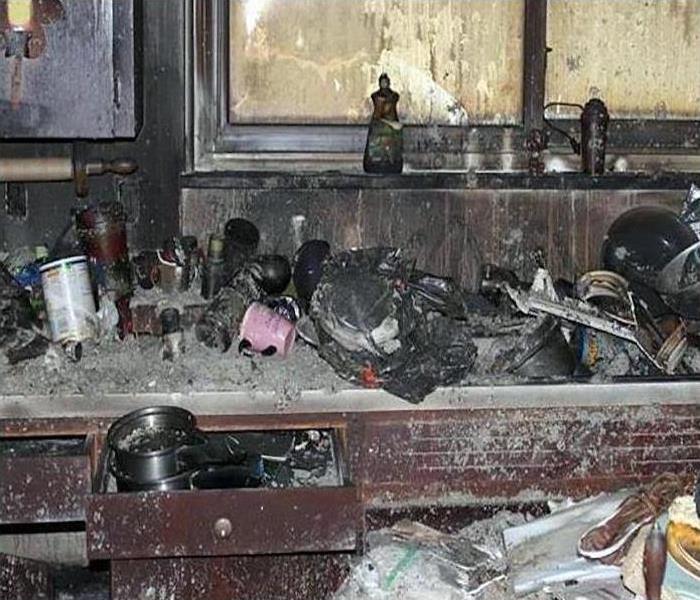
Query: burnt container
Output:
(214,269)
(594,136)
(102,233)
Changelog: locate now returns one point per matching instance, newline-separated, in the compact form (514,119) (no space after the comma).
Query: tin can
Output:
(69,301)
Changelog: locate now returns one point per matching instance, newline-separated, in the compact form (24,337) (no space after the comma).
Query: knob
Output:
(223,528)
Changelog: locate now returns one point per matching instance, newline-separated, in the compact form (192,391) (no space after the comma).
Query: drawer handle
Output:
(223,528)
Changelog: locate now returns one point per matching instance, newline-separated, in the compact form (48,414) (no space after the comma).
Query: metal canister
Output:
(69,301)
(102,232)
(173,337)
(594,136)
(214,269)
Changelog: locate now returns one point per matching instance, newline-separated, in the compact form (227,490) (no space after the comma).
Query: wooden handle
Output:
(36,169)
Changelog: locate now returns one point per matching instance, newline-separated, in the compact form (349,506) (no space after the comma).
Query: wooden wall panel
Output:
(450,231)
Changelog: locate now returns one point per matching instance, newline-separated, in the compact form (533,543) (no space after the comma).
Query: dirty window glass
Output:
(639,56)
(317,61)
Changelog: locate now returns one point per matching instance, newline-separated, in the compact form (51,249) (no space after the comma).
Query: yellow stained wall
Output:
(642,57)
(300,61)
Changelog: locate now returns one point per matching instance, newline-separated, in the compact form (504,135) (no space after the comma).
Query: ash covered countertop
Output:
(135,366)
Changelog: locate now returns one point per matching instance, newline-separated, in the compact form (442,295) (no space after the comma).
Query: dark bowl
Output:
(308,267)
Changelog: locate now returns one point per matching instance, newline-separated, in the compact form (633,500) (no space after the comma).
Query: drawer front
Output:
(43,489)
(222,522)
(280,577)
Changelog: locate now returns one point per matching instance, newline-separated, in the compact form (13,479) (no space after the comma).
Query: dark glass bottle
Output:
(594,136)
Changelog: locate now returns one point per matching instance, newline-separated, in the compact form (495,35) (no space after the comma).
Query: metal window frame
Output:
(216,145)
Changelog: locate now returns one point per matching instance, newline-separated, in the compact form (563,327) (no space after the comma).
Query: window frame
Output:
(214,144)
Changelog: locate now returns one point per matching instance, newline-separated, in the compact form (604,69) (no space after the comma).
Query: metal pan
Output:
(145,443)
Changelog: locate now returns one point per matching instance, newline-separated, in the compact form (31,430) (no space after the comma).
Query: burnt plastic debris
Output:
(218,326)
(308,268)
(384,148)
(73,350)
(540,351)
(145,269)
(102,233)
(272,272)
(241,239)
(594,136)
(690,213)
(179,264)
(380,324)
(660,254)
(285,306)
(19,337)
(173,336)
(214,269)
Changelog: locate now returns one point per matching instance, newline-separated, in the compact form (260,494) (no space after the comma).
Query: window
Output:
(317,61)
(640,57)
(286,83)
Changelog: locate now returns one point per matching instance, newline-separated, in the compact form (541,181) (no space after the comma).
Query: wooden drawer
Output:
(226,522)
(191,523)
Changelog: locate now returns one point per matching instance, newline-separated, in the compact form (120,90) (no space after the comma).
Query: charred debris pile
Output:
(374,317)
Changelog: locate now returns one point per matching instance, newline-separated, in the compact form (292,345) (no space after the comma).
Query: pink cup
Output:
(263,328)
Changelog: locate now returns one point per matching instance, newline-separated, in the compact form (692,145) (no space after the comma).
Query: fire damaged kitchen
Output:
(369,300)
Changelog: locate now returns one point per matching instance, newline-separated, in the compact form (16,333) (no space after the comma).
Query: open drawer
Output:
(298,517)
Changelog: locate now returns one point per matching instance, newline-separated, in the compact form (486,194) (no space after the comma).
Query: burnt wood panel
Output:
(90,61)
(43,489)
(151,194)
(450,232)
(290,577)
(24,579)
(526,454)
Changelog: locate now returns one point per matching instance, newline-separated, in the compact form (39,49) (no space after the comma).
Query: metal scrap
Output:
(604,303)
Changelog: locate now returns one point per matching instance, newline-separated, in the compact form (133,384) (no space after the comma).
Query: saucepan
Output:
(160,448)
(146,443)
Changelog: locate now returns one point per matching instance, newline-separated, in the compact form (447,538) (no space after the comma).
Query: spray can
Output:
(594,136)
(70,305)
(213,277)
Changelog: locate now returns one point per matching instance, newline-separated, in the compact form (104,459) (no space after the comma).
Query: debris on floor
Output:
(543,553)
(594,549)
(412,561)
(238,319)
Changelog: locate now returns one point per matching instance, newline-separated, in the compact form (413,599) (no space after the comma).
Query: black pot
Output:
(180,481)
(145,442)
(241,239)
(272,272)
